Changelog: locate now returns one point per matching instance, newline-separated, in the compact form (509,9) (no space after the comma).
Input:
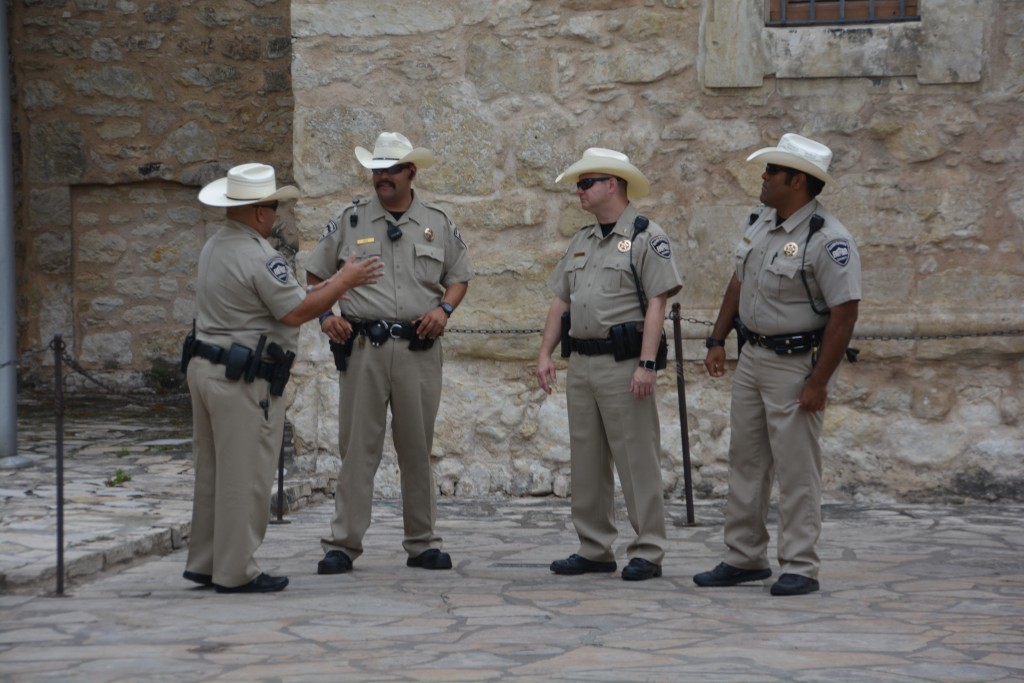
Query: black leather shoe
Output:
(640,569)
(794,584)
(727,575)
(577,564)
(334,562)
(196,577)
(264,583)
(431,559)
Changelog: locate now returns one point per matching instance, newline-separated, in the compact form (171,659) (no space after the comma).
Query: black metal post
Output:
(58,380)
(683,421)
(280,488)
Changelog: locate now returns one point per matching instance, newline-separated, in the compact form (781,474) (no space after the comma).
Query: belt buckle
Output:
(395,330)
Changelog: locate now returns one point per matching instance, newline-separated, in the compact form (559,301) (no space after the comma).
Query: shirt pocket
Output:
(783,277)
(742,250)
(363,250)
(574,271)
(616,276)
(429,264)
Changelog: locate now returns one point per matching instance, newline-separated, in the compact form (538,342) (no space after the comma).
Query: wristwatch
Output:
(447,308)
(711,342)
(649,365)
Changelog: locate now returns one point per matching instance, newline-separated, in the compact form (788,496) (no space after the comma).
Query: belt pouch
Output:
(237,361)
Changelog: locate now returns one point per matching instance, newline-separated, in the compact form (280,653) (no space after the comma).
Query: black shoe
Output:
(794,584)
(577,564)
(334,562)
(196,577)
(727,575)
(431,559)
(640,569)
(264,583)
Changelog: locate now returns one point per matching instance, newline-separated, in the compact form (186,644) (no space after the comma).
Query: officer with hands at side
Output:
(794,300)
(614,280)
(237,359)
(387,348)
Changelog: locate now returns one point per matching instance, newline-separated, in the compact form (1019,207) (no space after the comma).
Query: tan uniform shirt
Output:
(773,299)
(428,257)
(243,289)
(594,275)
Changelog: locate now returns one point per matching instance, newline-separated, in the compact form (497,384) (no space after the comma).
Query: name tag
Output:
(366,240)
(579,253)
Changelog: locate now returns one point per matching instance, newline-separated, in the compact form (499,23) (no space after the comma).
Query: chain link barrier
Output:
(177,397)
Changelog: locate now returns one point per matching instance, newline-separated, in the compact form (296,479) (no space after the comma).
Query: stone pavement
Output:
(910,593)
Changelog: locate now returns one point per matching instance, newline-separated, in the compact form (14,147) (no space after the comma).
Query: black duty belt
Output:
(591,347)
(219,356)
(383,329)
(782,344)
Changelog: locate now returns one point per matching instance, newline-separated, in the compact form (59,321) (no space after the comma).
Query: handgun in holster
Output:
(282,368)
(341,352)
(188,348)
(566,344)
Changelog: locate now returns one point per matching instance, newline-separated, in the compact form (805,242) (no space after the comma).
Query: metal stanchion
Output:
(683,422)
(280,489)
(58,380)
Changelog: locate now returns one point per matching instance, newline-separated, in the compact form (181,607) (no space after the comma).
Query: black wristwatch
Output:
(649,365)
(447,308)
(711,342)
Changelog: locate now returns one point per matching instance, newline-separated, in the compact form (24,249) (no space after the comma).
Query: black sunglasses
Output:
(772,169)
(272,205)
(392,170)
(588,183)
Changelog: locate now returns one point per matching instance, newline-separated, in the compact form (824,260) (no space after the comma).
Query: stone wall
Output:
(923,118)
(122,110)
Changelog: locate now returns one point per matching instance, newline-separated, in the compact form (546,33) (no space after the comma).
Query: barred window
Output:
(814,12)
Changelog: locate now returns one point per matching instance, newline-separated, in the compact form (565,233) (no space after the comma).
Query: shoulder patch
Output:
(839,251)
(661,246)
(331,228)
(458,235)
(278,268)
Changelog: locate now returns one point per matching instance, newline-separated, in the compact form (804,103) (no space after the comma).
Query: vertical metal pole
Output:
(58,404)
(8,316)
(683,421)
(280,488)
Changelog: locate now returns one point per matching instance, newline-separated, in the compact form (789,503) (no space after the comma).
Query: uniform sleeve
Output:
(660,274)
(323,261)
(277,287)
(837,270)
(457,265)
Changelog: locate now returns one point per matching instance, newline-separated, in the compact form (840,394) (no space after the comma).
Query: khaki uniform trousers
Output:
(772,437)
(608,426)
(410,382)
(236,448)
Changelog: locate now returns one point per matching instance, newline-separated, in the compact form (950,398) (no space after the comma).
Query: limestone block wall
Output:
(927,157)
(123,110)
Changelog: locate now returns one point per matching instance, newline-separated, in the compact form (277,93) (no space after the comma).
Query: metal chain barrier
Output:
(26,356)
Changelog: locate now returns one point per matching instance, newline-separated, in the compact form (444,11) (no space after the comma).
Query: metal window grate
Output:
(816,12)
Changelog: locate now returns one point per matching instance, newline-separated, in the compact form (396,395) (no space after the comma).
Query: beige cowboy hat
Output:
(246,184)
(601,160)
(796,151)
(391,149)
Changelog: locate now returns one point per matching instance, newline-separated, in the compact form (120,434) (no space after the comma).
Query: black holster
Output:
(282,371)
(341,352)
(627,342)
(188,348)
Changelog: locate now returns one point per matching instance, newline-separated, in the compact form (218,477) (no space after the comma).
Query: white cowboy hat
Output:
(601,160)
(391,149)
(246,184)
(796,151)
